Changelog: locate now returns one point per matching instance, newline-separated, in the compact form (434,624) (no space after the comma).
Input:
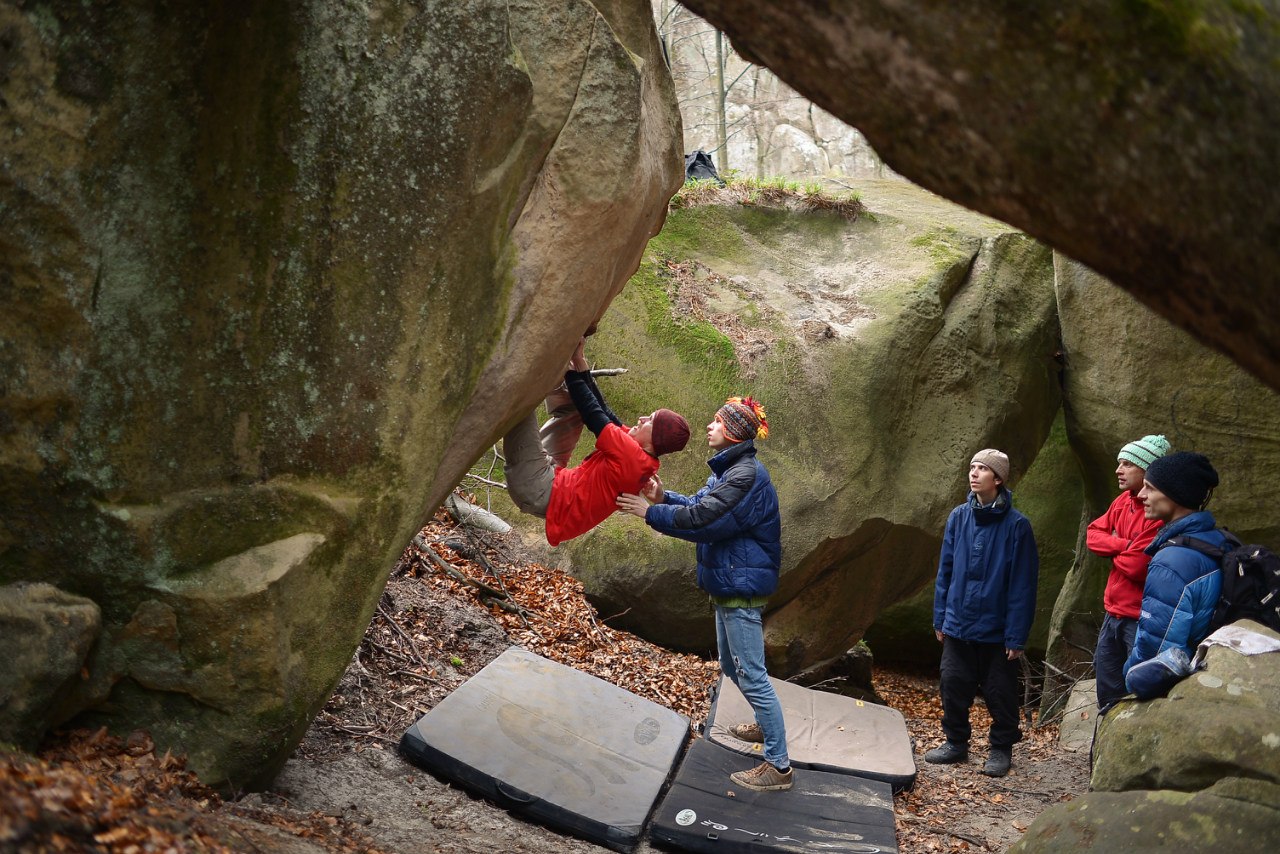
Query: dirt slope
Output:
(347,790)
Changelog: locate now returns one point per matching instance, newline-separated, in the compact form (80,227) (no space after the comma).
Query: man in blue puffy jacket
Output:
(734,519)
(1182,585)
(983,605)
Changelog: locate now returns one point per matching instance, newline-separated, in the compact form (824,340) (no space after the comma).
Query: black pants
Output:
(1115,642)
(965,666)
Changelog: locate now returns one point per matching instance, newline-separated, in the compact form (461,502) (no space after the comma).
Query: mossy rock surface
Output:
(1136,136)
(1130,373)
(1235,815)
(1050,497)
(271,279)
(886,350)
(1226,716)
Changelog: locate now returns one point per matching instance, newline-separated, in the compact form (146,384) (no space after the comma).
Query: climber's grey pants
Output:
(533,454)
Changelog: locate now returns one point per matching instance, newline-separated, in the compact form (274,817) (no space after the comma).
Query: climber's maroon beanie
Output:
(670,432)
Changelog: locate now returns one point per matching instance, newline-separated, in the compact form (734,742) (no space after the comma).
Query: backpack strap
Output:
(1230,541)
(1196,544)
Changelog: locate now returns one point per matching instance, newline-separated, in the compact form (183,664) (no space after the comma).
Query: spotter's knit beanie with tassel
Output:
(743,418)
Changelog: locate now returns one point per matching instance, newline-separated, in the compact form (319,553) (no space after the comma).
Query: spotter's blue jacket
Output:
(735,521)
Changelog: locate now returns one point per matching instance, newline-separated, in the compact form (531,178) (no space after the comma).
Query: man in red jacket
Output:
(1122,534)
(575,500)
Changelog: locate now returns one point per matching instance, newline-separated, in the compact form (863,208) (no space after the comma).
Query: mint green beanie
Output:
(1145,451)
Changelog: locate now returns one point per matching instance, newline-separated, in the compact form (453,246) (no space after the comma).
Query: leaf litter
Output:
(455,601)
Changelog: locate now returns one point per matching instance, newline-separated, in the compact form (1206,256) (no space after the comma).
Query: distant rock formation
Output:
(1130,373)
(947,333)
(1137,138)
(941,340)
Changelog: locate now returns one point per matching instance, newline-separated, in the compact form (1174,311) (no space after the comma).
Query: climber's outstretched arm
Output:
(586,394)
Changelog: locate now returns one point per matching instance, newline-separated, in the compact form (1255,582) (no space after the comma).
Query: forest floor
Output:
(454,603)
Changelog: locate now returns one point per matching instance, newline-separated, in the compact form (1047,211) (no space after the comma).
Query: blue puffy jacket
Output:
(1181,591)
(987,574)
(734,519)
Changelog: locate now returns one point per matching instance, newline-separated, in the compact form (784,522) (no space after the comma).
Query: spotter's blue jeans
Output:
(740,642)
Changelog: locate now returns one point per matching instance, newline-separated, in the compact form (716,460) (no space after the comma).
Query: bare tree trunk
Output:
(722,132)
(822,143)
(661,13)
(762,121)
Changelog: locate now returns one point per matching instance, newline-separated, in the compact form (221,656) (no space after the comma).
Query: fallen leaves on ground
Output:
(91,791)
(955,807)
(454,602)
(558,623)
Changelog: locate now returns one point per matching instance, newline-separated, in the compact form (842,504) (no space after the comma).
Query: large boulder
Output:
(1198,770)
(45,636)
(1136,137)
(1129,373)
(271,277)
(886,350)
(1224,716)
(1234,816)
(1050,496)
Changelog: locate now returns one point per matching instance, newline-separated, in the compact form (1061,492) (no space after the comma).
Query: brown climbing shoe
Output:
(763,778)
(747,732)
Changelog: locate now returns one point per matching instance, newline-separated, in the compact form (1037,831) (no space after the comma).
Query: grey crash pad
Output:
(823,813)
(826,732)
(554,745)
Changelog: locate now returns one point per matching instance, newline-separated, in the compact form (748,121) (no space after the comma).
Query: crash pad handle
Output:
(511,796)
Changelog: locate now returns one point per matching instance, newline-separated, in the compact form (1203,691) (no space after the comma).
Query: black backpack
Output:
(699,165)
(1250,580)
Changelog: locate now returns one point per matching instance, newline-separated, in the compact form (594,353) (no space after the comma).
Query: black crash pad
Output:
(826,732)
(554,745)
(704,811)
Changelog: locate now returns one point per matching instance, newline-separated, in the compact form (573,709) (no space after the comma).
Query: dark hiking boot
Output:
(947,754)
(763,778)
(998,762)
(747,732)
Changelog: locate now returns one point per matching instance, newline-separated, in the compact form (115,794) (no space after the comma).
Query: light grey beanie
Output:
(995,460)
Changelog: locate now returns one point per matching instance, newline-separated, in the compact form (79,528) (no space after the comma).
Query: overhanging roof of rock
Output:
(1138,139)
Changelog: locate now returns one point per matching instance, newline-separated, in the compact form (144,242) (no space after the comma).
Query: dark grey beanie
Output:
(1186,477)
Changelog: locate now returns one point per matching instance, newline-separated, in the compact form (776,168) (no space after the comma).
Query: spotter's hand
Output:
(633,504)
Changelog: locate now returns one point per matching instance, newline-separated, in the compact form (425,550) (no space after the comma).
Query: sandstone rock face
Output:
(862,414)
(1050,496)
(270,279)
(1138,138)
(967,364)
(935,337)
(1236,815)
(1130,373)
(45,636)
(1198,770)
(1224,716)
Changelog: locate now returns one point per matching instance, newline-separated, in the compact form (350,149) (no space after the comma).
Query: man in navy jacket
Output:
(983,605)
(1183,585)
(734,519)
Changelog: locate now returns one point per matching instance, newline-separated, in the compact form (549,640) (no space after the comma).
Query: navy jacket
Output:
(987,574)
(1181,591)
(734,519)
